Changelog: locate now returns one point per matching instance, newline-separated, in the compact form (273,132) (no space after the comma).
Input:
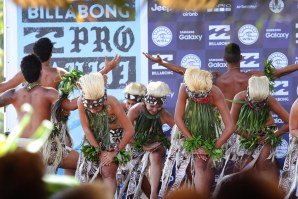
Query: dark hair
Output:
(31,68)
(43,49)
(247,185)
(232,53)
(21,176)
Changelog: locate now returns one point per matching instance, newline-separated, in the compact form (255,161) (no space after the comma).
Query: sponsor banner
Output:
(190,36)
(157,12)
(282,91)
(87,11)
(218,35)
(190,16)
(191,58)
(222,10)
(278,57)
(162,36)
(251,60)
(279,33)
(106,30)
(248,35)
(215,61)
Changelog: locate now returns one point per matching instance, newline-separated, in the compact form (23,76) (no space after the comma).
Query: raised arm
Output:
(277,72)
(229,126)
(276,107)
(180,110)
(177,69)
(12,83)
(293,120)
(7,97)
(110,65)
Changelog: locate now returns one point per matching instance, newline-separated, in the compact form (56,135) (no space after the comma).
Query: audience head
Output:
(95,190)
(248,185)
(184,192)
(21,176)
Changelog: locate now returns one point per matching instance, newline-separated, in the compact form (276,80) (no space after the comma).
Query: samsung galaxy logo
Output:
(250,60)
(276,33)
(248,34)
(276,6)
(278,59)
(189,35)
(162,36)
(191,60)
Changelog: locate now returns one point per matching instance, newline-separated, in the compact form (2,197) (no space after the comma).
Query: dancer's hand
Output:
(110,65)
(107,157)
(156,59)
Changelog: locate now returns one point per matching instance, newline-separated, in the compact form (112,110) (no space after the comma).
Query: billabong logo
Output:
(281,150)
(167,58)
(219,32)
(279,59)
(250,60)
(276,6)
(248,34)
(191,60)
(281,88)
(162,36)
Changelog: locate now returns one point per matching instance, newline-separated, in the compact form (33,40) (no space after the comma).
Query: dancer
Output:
(199,122)
(134,93)
(57,151)
(254,124)
(288,179)
(39,97)
(104,123)
(149,140)
(233,80)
